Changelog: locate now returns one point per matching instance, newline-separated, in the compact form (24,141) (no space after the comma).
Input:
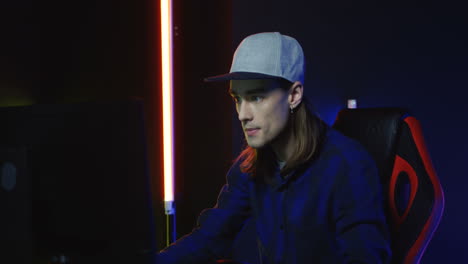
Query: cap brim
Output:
(240,76)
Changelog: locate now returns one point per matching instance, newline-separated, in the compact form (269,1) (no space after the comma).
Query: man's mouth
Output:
(251,131)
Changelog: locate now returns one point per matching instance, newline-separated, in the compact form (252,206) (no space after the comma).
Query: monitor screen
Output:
(75,184)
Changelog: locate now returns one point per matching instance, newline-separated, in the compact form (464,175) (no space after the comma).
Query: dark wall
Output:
(203,111)
(399,53)
(18,52)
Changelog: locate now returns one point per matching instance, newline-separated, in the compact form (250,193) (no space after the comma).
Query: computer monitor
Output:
(74,184)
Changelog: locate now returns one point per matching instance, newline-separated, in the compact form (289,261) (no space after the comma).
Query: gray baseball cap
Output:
(267,55)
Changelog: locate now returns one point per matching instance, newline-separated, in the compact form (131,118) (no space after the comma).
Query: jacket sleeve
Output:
(217,227)
(362,234)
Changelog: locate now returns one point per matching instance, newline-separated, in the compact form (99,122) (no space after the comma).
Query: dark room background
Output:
(409,54)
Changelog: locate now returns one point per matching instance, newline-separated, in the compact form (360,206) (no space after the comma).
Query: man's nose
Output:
(244,112)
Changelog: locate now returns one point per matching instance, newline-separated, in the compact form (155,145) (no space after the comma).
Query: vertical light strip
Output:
(167,100)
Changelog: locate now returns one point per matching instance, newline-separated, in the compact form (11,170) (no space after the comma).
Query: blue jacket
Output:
(329,212)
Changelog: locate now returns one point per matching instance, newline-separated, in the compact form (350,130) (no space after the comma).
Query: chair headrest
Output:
(376,129)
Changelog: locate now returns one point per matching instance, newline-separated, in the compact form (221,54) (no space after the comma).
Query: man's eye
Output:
(256,98)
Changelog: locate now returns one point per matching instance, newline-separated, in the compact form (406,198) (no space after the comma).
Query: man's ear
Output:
(295,94)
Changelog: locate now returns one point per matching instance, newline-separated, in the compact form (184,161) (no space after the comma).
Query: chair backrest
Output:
(414,196)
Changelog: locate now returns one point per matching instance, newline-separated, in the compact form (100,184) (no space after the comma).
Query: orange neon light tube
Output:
(167,100)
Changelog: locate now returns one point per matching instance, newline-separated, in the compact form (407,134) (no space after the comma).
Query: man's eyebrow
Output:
(252,91)
(256,90)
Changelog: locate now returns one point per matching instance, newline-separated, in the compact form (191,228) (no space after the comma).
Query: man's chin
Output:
(255,145)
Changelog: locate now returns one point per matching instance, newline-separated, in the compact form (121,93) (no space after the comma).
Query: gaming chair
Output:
(414,195)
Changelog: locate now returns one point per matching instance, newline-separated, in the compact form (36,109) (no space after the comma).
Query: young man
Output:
(314,194)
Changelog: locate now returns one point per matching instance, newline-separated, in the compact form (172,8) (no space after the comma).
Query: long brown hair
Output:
(308,133)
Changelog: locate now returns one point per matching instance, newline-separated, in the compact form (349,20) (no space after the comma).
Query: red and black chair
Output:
(414,196)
